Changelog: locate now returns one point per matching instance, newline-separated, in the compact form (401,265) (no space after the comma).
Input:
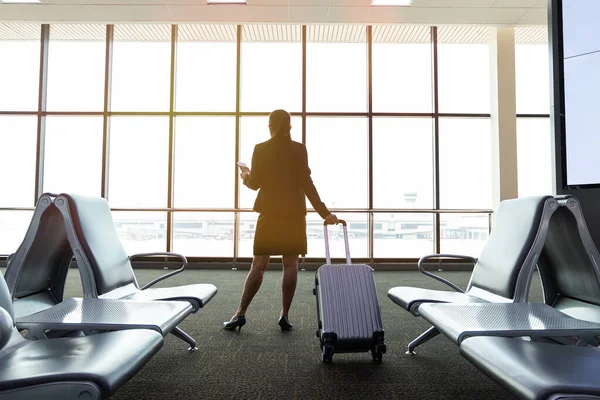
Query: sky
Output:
(271,78)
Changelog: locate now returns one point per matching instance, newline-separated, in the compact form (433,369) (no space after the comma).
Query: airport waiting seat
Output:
(536,370)
(73,368)
(106,269)
(556,363)
(503,272)
(570,276)
(36,277)
(36,273)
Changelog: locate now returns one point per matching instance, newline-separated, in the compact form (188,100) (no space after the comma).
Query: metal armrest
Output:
(439,278)
(162,254)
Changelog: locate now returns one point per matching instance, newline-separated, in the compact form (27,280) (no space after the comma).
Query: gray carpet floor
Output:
(261,362)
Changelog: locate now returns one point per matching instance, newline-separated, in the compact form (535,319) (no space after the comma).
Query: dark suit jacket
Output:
(280,170)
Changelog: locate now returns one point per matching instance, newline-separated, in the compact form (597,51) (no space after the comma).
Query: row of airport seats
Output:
(88,347)
(537,351)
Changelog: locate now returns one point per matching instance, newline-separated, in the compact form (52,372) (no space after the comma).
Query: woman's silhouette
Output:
(281,174)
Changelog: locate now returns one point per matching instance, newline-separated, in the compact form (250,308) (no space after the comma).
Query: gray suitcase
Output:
(349,317)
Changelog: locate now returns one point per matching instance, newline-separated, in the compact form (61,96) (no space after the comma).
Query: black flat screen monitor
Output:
(580,48)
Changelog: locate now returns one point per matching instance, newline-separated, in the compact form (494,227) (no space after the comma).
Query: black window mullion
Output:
(304,84)
(436,140)
(41,121)
(238,82)
(371,225)
(171,157)
(110,30)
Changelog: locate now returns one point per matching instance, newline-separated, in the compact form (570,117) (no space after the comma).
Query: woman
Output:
(280,170)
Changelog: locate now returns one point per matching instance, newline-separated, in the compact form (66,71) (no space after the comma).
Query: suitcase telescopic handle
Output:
(346,244)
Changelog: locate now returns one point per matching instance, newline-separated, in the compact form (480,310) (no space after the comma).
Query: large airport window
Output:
(336,73)
(338,158)
(534,156)
(402,69)
(403,235)
(73,155)
(271,74)
(18,140)
(203,234)
(13,225)
(464,234)
(141,68)
(532,71)
(204,162)
(141,231)
(139,151)
(402,162)
(76,67)
(247,228)
(464,74)
(358,236)
(465,163)
(19,67)
(255,130)
(206,68)
(215,123)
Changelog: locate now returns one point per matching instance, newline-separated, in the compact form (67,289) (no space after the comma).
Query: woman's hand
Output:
(245,175)
(331,219)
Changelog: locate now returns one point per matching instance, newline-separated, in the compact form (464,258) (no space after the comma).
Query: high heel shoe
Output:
(284,324)
(235,322)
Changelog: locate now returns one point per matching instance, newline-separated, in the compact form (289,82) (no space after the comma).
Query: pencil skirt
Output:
(280,235)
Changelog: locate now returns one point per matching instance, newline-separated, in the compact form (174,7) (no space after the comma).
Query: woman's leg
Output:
(253,282)
(288,282)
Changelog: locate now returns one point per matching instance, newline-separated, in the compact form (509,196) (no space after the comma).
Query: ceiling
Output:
(428,12)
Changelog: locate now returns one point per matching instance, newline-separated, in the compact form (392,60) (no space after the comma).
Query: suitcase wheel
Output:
(377,353)
(327,353)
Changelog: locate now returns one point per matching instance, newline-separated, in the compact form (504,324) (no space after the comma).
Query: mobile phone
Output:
(243,167)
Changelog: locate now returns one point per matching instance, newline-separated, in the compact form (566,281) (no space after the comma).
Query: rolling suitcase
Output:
(349,318)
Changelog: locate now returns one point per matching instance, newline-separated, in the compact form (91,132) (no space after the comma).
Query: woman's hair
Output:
(279,122)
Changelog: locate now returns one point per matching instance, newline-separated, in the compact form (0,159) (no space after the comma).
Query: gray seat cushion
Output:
(514,235)
(536,370)
(508,255)
(108,360)
(198,294)
(406,296)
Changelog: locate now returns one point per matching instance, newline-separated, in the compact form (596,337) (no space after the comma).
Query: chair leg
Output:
(424,337)
(179,333)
